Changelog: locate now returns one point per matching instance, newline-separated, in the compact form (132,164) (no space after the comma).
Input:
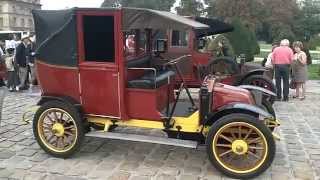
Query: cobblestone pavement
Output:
(297,157)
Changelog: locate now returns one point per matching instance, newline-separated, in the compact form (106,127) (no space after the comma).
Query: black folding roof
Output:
(216,26)
(56,31)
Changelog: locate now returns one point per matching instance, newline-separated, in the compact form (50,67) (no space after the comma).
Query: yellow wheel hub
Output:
(58,129)
(239,147)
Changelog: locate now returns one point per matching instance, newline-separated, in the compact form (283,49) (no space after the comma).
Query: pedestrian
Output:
(31,66)
(268,63)
(282,57)
(21,56)
(9,61)
(299,70)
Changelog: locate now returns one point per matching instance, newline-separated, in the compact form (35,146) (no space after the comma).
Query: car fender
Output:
(65,99)
(259,71)
(257,88)
(238,108)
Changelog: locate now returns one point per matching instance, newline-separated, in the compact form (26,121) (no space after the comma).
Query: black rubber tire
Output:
(268,107)
(74,113)
(238,117)
(249,81)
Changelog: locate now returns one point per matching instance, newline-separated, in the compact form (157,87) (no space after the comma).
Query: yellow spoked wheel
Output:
(58,128)
(240,146)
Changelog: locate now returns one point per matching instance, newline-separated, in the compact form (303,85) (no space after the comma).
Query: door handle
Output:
(115,75)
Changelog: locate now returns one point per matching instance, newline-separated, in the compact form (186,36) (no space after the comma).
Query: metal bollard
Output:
(3,91)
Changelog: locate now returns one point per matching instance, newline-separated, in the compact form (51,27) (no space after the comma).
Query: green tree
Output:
(308,20)
(164,5)
(190,8)
(243,40)
(248,11)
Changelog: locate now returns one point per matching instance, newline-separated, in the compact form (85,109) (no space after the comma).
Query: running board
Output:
(144,138)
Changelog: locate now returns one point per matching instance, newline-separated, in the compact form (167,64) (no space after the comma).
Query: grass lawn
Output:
(313,72)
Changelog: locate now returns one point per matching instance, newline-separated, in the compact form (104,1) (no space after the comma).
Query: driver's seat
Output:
(152,80)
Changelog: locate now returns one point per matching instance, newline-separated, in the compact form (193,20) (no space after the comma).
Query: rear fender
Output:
(66,99)
(238,108)
(251,73)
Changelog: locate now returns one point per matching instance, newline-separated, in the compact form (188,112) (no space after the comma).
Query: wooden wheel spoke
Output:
(255,140)
(69,127)
(248,134)
(240,133)
(50,119)
(66,121)
(254,155)
(68,133)
(256,148)
(61,115)
(224,145)
(226,138)
(56,116)
(225,153)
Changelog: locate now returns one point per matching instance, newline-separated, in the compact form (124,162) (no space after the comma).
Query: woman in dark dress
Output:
(299,70)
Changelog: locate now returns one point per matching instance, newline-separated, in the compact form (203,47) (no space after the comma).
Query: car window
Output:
(179,38)
(98,32)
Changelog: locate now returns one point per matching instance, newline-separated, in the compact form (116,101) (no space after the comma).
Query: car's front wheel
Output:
(240,146)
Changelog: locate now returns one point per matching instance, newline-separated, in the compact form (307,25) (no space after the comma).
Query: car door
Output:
(98,66)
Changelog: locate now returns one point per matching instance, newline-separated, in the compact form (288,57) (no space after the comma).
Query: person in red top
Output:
(282,57)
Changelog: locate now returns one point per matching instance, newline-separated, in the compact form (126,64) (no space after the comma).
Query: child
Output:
(9,60)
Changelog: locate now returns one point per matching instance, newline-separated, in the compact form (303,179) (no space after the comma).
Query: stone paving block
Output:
(6,144)
(35,176)
(39,157)
(165,177)
(169,171)
(62,177)
(27,152)
(129,166)
(119,176)
(189,177)
(6,154)
(192,170)
(19,174)
(5,173)
(140,178)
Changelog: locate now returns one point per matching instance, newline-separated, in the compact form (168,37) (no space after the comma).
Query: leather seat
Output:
(148,81)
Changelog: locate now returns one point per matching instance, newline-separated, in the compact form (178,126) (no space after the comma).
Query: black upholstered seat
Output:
(150,81)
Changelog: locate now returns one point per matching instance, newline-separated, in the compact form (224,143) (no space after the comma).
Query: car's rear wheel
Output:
(261,81)
(240,146)
(58,128)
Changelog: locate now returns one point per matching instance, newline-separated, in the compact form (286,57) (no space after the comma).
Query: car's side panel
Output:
(58,80)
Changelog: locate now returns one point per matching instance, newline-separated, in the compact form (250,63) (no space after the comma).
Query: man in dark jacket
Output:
(22,54)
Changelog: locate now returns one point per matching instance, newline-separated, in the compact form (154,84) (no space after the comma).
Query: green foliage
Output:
(190,8)
(314,72)
(314,43)
(164,5)
(243,40)
(213,47)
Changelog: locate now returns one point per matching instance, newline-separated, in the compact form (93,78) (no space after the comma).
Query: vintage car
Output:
(94,82)
(201,62)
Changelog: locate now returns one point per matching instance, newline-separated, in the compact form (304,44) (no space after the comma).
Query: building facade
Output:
(15,15)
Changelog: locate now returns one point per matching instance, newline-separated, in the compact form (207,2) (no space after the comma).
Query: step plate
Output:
(143,138)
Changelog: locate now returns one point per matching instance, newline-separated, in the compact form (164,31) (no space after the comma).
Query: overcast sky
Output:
(62,4)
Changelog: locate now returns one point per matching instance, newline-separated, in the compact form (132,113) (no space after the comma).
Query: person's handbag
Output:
(292,84)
